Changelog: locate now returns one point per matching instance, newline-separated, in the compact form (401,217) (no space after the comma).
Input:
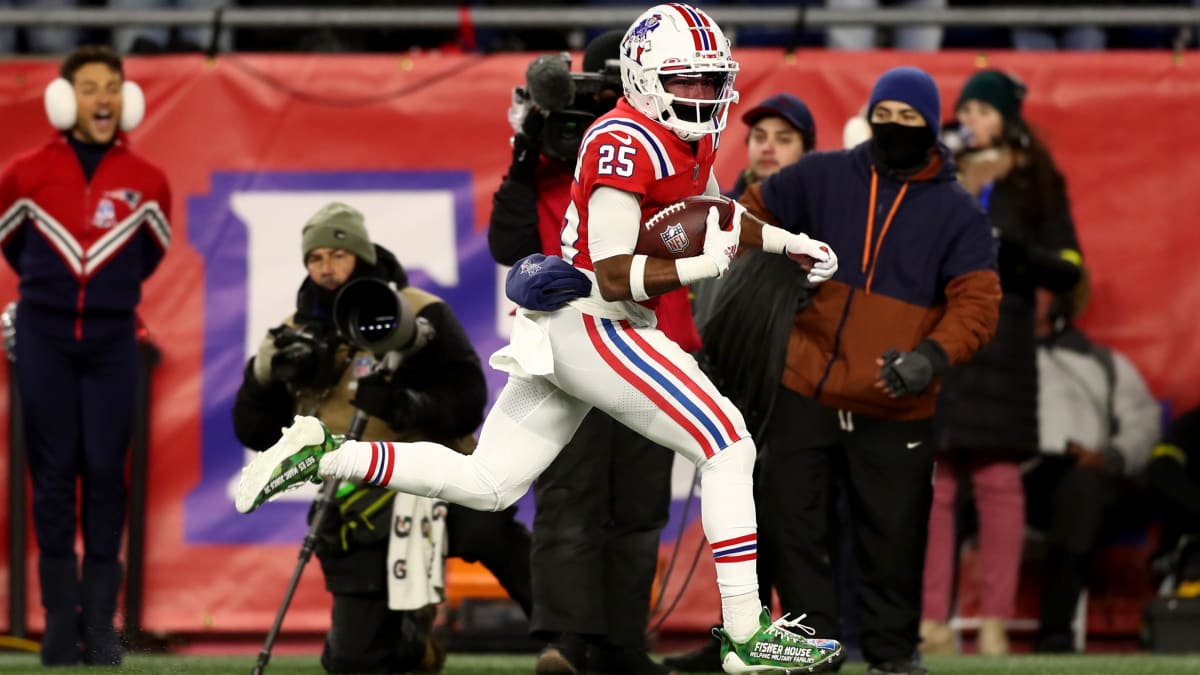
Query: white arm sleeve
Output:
(713,189)
(614,217)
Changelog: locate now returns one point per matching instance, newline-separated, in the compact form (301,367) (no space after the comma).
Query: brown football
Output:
(677,231)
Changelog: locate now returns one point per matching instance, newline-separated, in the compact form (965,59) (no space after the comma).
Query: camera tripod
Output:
(321,508)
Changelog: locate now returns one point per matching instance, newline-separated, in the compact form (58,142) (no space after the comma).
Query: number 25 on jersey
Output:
(617,160)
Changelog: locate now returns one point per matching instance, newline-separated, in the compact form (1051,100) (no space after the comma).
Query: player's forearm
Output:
(615,277)
(752,231)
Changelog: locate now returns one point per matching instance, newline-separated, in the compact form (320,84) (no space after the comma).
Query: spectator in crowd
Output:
(1173,481)
(782,130)
(38,40)
(746,306)
(1080,37)
(1098,424)
(865,357)
(437,393)
(84,222)
(913,38)
(987,420)
(581,316)
(602,503)
(378,38)
(142,39)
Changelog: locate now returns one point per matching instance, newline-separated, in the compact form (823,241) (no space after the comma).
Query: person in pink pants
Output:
(987,420)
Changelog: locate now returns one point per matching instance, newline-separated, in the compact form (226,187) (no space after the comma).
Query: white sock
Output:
(727,511)
(740,615)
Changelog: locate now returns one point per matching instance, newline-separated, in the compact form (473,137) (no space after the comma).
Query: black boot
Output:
(1063,583)
(60,598)
(101,583)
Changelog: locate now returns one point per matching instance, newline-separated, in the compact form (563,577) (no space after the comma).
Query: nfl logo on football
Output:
(675,238)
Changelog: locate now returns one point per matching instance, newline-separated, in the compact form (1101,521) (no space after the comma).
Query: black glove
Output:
(381,398)
(909,373)
(527,146)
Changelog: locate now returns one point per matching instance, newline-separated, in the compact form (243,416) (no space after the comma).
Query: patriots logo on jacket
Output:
(131,198)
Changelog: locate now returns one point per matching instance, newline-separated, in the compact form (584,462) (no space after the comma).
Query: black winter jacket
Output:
(988,405)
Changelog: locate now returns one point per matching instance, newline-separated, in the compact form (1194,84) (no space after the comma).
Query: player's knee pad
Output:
(737,458)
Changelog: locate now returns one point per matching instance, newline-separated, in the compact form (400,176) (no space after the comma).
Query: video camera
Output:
(569,101)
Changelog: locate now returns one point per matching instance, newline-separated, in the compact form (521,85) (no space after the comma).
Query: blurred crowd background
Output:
(147,40)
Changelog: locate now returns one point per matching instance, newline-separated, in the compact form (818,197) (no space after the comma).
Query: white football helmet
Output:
(673,40)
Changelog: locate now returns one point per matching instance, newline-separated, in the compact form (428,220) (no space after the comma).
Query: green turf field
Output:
(484,664)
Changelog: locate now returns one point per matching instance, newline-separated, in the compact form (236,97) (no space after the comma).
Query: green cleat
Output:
(293,460)
(776,647)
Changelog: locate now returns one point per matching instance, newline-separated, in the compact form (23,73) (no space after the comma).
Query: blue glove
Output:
(545,283)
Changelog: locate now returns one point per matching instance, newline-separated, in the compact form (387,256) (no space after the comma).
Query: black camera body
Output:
(595,94)
(304,356)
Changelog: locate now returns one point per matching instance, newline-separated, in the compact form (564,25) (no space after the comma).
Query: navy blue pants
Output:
(78,403)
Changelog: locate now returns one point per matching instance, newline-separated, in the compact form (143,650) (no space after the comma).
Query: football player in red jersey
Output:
(83,221)
(602,350)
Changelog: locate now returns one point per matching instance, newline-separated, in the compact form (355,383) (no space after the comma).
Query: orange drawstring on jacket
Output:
(867,256)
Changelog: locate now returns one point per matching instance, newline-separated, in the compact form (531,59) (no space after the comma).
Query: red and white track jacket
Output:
(82,249)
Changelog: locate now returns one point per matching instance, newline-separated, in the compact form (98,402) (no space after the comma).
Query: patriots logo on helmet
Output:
(675,238)
(639,37)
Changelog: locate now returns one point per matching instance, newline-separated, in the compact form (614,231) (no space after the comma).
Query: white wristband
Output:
(690,270)
(637,278)
(774,239)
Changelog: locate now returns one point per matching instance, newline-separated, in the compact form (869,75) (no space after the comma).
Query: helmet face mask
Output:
(679,43)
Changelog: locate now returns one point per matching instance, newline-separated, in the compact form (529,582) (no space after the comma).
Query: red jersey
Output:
(628,151)
(82,248)
(674,310)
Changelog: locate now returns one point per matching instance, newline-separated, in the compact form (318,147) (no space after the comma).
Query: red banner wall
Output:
(1120,125)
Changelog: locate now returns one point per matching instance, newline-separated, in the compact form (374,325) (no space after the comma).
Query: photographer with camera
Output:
(436,393)
(603,502)
(987,417)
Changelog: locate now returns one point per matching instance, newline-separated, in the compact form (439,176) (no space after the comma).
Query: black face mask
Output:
(900,147)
